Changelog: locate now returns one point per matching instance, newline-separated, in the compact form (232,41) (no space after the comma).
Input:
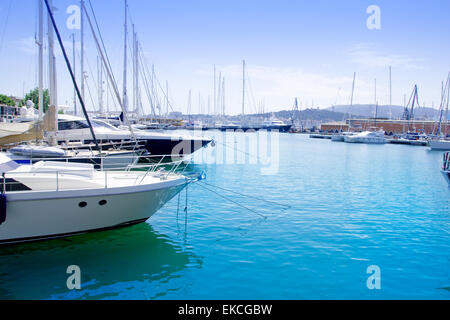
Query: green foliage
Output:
(33,95)
(6,100)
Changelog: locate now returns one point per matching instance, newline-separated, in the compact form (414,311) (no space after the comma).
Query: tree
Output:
(33,95)
(5,100)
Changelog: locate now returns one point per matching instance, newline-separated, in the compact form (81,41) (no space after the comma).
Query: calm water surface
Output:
(349,207)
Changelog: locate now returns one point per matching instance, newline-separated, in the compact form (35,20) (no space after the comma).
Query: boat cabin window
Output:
(12,185)
(72,125)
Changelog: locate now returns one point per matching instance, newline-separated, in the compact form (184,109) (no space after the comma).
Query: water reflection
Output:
(110,262)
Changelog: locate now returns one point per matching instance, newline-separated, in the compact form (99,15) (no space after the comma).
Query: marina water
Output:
(309,231)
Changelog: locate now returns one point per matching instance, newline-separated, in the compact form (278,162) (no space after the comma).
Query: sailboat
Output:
(340,137)
(441,142)
(72,128)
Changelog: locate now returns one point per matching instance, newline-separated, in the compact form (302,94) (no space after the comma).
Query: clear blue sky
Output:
(304,49)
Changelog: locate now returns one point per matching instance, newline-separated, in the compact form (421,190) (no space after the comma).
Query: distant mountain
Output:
(394,112)
(321,115)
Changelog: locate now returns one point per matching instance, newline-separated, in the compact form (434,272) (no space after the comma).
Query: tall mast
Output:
(390,92)
(243,88)
(75,112)
(100,84)
(167,99)
(351,100)
(82,51)
(41,59)
(51,60)
(353,89)
(136,70)
(215,91)
(223,97)
(390,86)
(219,95)
(125,94)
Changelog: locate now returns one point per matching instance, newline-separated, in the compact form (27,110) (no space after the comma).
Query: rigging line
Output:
(101,40)
(243,152)
(6,26)
(160,86)
(235,202)
(154,100)
(147,87)
(69,67)
(103,44)
(253,197)
(88,79)
(252,96)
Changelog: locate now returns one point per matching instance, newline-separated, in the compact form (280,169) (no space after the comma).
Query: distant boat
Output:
(340,137)
(276,125)
(367,137)
(440,145)
(72,128)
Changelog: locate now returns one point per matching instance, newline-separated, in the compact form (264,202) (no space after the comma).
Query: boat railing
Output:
(446,162)
(110,161)
(16,181)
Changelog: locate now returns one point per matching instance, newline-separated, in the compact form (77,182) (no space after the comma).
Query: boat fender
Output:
(3,202)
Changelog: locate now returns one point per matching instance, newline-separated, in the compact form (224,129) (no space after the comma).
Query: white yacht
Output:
(368,137)
(107,159)
(53,199)
(72,128)
(275,124)
(440,145)
(340,137)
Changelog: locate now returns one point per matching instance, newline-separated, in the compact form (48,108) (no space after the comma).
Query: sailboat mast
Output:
(390,92)
(243,88)
(125,94)
(223,97)
(390,86)
(215,91)
(51,60)
(167,99)
(100,84)
(74,63)
(41,59)
(82,52)
(136,72)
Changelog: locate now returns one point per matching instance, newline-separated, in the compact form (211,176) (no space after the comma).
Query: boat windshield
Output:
(83,124)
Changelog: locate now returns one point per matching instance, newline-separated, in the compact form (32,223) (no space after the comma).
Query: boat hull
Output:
(282,129)
(338,138)
(440,145)
(47,218)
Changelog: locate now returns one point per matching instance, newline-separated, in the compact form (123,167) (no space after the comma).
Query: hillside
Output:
(385,111)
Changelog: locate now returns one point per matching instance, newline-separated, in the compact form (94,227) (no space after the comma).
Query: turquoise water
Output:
(350,207)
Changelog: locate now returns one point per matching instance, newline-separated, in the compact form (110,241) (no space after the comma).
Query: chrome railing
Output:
(55,180)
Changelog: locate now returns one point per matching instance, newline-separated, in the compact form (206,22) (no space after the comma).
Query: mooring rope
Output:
(248,196)
(235,202)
